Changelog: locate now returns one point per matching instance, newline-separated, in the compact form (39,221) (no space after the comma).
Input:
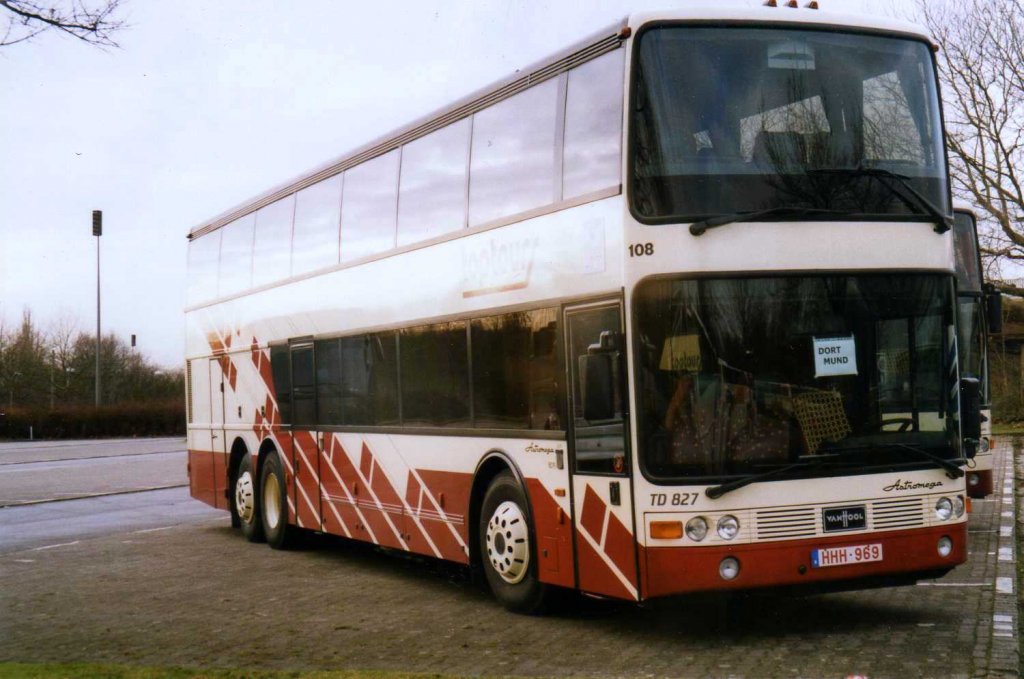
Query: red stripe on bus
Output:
(592,516)
(620,547)
(553,530)
(596,576)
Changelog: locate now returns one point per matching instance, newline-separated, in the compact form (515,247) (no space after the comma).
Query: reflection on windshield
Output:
(739,375)
(730,120)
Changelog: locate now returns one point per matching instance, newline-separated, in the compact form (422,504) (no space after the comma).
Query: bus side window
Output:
(279,364)
(303,386)
(593,126)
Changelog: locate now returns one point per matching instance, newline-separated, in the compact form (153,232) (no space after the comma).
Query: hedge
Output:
(81,422)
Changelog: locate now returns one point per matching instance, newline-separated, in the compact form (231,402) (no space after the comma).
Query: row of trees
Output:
(54,368)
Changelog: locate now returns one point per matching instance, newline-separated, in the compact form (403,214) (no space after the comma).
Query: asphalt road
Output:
(41,472)
(155,578)
(58,493)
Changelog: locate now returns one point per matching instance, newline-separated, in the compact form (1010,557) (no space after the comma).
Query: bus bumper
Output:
(678,570)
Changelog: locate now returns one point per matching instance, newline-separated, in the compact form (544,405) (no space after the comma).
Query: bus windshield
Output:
(740,375)
(730,120)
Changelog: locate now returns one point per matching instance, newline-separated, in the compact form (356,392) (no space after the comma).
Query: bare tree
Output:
(982,72)
(91,21)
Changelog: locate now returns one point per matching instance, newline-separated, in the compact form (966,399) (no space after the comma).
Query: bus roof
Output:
(583,50)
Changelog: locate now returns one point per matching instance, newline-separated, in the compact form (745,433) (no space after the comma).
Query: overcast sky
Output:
(209,103)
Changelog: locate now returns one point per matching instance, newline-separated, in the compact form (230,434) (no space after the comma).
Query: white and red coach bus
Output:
(673,310)
(979,312)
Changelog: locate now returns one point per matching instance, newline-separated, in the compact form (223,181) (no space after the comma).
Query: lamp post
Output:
(97,230)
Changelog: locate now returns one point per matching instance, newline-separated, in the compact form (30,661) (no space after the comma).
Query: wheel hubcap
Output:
(272,500)
(244,496)
(508,542)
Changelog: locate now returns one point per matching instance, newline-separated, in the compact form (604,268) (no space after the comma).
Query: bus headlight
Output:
(943,509)
(984,445)
(728,527)
(697,528)
(945,546)
(729,568)
(958,506)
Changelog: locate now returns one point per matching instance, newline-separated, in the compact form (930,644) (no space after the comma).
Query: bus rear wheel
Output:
(507,547)
(244,505)
(274,505)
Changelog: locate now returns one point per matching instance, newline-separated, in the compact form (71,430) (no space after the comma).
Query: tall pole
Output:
(97,230)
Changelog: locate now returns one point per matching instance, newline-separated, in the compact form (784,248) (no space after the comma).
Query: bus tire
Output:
(507,547)
(245,506)
(274,504)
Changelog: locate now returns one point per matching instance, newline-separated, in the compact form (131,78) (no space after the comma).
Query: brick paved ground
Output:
(199,595)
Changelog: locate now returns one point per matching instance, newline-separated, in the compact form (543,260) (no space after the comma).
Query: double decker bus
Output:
(671,311)
(979,312)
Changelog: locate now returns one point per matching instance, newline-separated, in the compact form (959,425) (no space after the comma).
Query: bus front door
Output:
(601,486)
(217,434)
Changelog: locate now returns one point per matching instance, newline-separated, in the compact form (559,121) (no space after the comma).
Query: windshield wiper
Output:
(900,185)
(715,492)
(953,470)
(697,228)
(951,467)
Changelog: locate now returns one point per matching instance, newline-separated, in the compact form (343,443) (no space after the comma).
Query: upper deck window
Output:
(965,249)
(732,119)
(513,155)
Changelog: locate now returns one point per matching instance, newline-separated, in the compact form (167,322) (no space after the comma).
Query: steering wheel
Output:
(904,423)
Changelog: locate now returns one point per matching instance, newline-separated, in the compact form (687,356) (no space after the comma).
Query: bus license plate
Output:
(844,556)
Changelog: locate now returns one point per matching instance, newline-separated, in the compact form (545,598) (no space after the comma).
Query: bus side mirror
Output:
(597,385)
(994,309)
(970,414)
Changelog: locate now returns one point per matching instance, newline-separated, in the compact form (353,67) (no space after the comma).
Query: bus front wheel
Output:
(244,507)
(274,505)
(506,547)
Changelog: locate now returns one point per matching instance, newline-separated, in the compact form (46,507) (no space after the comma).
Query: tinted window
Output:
(738,119)
(965,251)
(303,386)
(432,195)
(513,159)
(203,255)
(236,256)
(272,250)
(593,126)
(279,364)
(515,371)
(317,213)
(328,382)
(368,207)
(370,379)
(435,375)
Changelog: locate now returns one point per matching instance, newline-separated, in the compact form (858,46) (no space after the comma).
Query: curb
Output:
(88,496)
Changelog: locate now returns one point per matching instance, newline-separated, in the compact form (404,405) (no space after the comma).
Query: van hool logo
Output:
(912,485)
(497,265)
(844,518)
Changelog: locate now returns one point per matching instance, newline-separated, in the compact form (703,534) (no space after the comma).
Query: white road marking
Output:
(952,584)
(1004,585)
(62,544)
(1006,531)
(1006,554)
(153,530)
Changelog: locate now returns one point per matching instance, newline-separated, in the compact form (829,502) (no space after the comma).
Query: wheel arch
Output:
(493,463)
(267,447)
(238,451)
